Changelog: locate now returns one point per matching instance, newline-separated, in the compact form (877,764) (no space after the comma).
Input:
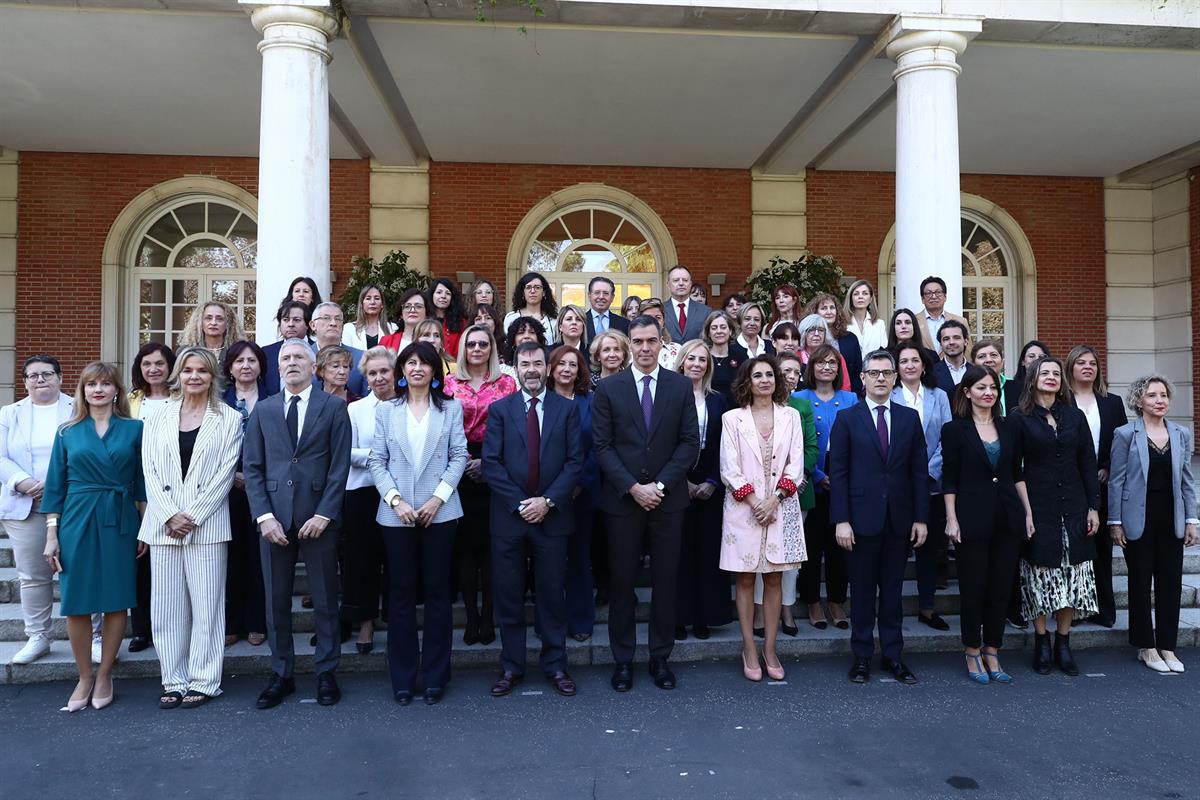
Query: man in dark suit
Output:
(600,317)
(685,317)
(326,326)
(296,458)
(646,438)
(293,318)
(952,341)
(532,455)
(879,501)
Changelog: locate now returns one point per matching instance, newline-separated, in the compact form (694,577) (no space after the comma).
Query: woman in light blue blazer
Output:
(1152,514)
(417,458)
(917,388)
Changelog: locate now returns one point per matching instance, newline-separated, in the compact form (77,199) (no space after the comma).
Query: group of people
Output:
(454,452)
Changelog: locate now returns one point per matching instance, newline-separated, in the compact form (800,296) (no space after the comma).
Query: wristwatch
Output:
(662,487)
(549,502)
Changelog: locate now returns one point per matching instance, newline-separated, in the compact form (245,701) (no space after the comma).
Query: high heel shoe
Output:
(982,675)
(80,705)
(103,702)
(774,673)
(751,673)
(790,630)
(998,675)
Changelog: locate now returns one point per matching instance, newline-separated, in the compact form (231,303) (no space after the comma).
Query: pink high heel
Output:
(751,673)
(102,702)
(774,673)
(80,705)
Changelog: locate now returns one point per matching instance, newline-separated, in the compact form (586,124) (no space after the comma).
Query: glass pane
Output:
(151,256)
(179,317)
(185,292)
(969,269)
(640,259)
(642,290)
(244,233)
(153,291)
(993,264)
(993,323)
(250,256)
(572,293)
(594,259)
(191,217)
(249,292)
(970,296)
(206,254)
(250,317)
(555,237)
(605,224)
(152,319)
(578,223)
(541,259)
(220,218)
(166,231)
(972,320)
(967,227)
(225,291)
(993,297)
(572,262)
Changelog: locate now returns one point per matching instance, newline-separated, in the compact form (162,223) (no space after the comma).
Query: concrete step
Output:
(724,645)
(6,553)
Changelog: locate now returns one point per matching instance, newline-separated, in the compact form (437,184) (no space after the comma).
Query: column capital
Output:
(929,41)
(307,24)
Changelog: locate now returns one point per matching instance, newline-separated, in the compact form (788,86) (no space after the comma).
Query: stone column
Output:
(293,150)
(926,49)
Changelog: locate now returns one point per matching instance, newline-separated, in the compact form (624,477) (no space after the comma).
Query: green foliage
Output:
(809,274)
(392,273)
(482,5)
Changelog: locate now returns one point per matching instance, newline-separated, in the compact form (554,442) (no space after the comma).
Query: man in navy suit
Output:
(326,326)
(879,501)
(600,317)
(952,341)
(532,456)
(293,318)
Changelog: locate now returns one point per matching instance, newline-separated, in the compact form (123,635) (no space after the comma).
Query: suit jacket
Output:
(443,460)
(294,484)
(616,322)
(697,313)
(627,453)
(924,323)
(1130,469)
(202,494)
(16,453)
(708,459)
(506,462)
(271,379)
(983,494)
(936,413)
(852,356)
(945,380)
(1112,416)
(865,490)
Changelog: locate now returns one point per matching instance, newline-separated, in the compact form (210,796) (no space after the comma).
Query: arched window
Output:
(189,251)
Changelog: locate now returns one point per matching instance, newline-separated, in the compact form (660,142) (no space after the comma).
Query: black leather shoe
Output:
(899,671)
(701,631)
(1103,622)
(680,633)
(434,695)
(1062,654)
(663,677)
(403,698)
(860,671)
(934,621)
(622,677)
(505,684)
(1041,653)
(139,643)
(1018,622)
(276,690)
(328,692)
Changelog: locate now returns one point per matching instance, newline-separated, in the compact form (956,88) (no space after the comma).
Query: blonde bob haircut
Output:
(460,367)
(1137,391)
(376,353)
(690,347)
(215,387)
(571,308)
(594,350)
(98,371)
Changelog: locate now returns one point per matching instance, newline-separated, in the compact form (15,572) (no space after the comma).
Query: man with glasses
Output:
(933,298)
(879,503)
(600,319)
(326,326)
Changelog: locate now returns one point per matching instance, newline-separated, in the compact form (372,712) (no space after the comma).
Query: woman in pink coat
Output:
(762,467)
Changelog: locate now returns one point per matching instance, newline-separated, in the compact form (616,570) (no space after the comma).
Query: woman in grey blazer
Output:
(190,452)
(417,459)
(1152,514)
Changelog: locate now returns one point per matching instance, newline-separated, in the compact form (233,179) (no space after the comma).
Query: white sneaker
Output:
(37,646)
(97,650)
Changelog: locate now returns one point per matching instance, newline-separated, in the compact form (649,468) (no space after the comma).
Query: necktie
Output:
(293,419)
(881,429)
(682,317)
(533,436)
(647,402)
(601,323)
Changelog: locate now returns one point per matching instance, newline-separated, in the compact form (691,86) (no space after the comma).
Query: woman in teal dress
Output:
(93,491)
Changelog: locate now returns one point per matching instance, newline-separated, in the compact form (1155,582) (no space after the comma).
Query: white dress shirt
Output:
(915,401)
(301,409)
(418,437)
(956,373)
(638,384)
(362,433)
(871,335)
(935,324)
(526,397)
(762,346)
(600,322)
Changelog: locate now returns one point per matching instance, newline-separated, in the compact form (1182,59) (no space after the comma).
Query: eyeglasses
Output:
(827,364)
(478,345)
(327,318)
(933,293)
(41,376)
(879,373)
(414,307)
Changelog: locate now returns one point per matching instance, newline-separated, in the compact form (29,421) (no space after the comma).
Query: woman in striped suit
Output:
(190,452)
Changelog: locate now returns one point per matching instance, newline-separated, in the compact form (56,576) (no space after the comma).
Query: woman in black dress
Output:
(726,355)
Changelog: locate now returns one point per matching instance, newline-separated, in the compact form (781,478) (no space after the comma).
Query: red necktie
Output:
(533,436)
(682,317)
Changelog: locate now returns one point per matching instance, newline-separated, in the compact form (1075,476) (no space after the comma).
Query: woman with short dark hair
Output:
(412,309)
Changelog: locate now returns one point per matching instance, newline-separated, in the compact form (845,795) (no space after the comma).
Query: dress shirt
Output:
(915,401)
(526,397)
(956,373)
(762,346)
(41,441)
(871,335)
(887,414)
(302,408)
(637,382)
(600,322)
(418,438)
(935,324)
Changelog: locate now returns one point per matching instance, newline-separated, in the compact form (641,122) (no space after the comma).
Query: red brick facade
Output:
(850,214)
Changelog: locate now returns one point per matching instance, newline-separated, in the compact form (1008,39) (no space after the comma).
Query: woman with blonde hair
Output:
(610,353)
(572,327)
(826,306)
(433,331)
(370,323)
(863,313)
(333,371)
(93,486)
(213,325)
(190,452)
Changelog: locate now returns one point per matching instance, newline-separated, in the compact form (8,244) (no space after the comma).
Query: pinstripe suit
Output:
(187,597)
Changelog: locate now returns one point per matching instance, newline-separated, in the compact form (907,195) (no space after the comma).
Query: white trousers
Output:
(787,582)
(187,615)
(28,537)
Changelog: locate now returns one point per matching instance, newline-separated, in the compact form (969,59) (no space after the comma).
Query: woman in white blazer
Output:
(190,452)
(27,430)
(1152,515)
(417,459)
(370,323)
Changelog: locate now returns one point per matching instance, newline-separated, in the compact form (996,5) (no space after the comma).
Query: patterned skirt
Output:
(1045,590)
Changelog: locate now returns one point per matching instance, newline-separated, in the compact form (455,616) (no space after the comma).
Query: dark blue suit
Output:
(881,500)
(581,609)
(506,468)
(945,381)
(355,382)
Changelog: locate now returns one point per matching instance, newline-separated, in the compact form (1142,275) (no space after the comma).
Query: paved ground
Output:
(1123,732)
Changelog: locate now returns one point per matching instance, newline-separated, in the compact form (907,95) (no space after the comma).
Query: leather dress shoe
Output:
(403,697)
(934,620)
(563,684)
(701,631)
(622,677)
(505,684)
(139,643)
(899,671)
(663,677)
(328,692)
(680,633)
(860,671)
(276,690)
(434,695)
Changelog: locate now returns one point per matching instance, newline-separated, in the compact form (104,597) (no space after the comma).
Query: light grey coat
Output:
(1128,473)
(16,453)
(443,459)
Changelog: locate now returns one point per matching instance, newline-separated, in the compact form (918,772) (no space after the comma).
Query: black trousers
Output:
(245,598)
(1102,564)
(419,556)
(472,548)
(628,535)
(985,568)
(822,546)
(702,596)
(279,576)
(362,557)
(139,616)
(581,609)
(548,555)
(876,586)
(1156,558)
(931,553)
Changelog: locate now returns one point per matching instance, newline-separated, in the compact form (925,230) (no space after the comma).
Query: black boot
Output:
(487,624)
(1041,653)
(1062,654)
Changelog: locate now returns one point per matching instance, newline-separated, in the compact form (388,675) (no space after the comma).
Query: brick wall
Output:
(68,202)
(850,214)
(475,208)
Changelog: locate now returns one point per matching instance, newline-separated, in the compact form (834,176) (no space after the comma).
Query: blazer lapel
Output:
(550,412)
(1176,449)
(316,406)
(869,419)
(637,397)
(660,402)
(208,429)
(977,445)
(1142,442)
(170,421)
(399,413)
(749,432)
(433,432)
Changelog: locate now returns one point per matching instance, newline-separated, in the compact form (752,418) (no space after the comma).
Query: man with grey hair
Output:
(327,323)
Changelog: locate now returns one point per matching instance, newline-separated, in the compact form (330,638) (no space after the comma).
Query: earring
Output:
(436,383)
(402,382)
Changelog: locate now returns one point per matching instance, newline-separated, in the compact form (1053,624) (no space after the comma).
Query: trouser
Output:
(931,553)
(628,535)
(822,547)
(581,610)
(877,577)
(472,548)
(1156,558)
(702,596)
(279,576)
(139,616)
(362,557)
(419,558)
(245,606)
(28,537)
(187,614)
(548,555)
(985,569)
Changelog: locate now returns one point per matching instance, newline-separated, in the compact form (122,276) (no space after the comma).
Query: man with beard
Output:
(952,339)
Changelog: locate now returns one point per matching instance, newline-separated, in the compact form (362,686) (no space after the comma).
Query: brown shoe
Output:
(256,639)
(505,684)
(563,684)
(231,639)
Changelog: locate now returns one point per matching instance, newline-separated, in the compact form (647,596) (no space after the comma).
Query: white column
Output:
(293,151)
(926,49)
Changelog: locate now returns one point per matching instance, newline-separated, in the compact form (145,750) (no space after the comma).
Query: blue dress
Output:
(93,483)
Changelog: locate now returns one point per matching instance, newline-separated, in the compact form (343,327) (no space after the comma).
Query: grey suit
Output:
(697,313)
(443,459)
(1127,478)
(294,485)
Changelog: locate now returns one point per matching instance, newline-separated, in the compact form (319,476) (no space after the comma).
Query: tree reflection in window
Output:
(591,239)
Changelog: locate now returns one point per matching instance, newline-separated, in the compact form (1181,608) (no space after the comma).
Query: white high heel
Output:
(1151,659)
